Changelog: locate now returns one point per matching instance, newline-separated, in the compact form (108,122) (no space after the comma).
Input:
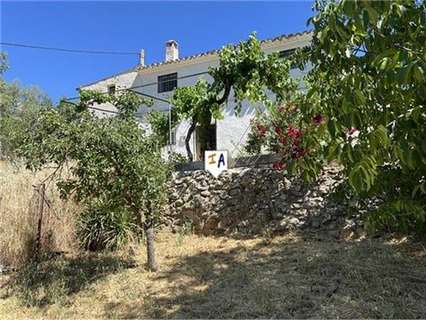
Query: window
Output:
(167,82)
(111,89)
(287,54)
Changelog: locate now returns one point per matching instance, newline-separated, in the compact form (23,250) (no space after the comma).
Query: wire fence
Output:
(46,218)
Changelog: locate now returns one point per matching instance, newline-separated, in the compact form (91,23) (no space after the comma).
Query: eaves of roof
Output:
(288,37)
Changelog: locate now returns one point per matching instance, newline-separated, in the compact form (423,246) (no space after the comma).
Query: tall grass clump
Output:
(19,213)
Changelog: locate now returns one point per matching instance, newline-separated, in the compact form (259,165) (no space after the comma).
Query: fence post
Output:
(40,218)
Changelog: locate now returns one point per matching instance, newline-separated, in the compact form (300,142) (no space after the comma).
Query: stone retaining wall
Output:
(251,201)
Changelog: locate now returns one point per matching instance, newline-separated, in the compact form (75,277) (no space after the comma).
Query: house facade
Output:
(158,81)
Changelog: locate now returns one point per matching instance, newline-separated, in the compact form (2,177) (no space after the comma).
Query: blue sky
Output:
(128,26)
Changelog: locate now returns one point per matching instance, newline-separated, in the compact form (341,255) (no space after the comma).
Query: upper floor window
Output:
(167,82)
(287,54)
(111,89)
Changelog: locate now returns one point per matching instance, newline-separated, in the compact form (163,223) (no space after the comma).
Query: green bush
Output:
(105,228)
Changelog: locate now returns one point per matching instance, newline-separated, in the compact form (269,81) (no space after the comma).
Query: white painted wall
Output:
(121,81)
(232,131)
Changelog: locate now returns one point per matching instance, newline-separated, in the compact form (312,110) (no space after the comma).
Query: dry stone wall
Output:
(250,201)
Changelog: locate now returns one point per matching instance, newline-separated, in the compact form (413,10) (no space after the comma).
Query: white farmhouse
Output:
(158,80)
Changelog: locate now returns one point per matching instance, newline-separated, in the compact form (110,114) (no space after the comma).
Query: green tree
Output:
(161,124)
(244,70)
(117,172)
(368,79)
(365,105)
(19,108)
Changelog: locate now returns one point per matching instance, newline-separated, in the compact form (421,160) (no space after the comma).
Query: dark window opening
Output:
(111,89)
(287,54)
(167,82)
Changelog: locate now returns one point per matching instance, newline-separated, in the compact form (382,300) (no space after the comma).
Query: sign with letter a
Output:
(215,162)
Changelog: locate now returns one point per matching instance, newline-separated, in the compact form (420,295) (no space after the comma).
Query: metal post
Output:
(40,218)
(170,127)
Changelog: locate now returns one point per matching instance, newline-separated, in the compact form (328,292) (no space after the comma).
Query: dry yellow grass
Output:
(19,215)
(297,276)
(293,276)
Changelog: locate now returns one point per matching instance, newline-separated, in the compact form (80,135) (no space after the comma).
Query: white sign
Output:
(215,162)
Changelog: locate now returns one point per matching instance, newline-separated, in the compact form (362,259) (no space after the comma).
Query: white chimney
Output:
(172,50)
(142,58)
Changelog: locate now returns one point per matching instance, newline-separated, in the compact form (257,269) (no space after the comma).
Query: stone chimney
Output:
(142,58)
(172,50)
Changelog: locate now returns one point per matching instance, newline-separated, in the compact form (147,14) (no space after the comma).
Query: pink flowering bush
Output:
(282,131)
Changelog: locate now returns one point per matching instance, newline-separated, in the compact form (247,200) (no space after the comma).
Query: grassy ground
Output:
(215,277)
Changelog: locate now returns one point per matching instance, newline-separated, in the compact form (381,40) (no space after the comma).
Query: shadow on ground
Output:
(297,278)
(53,280)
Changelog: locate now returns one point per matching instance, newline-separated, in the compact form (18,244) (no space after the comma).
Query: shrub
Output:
(116,168)
(105,228)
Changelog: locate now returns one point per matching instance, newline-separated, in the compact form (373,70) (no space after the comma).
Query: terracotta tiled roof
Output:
(290,36)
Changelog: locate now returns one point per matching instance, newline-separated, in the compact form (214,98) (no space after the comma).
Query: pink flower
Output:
(283,140)
(353,132)
(278,131)
(318,119)
(352,136)
(279,165)
(293,132)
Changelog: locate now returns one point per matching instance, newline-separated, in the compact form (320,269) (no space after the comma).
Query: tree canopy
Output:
(364,105)
(114,169)
(19,107)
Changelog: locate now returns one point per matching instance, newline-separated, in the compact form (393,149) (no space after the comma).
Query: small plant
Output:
(184,230)
(400,216)
(102,228)
(175,159)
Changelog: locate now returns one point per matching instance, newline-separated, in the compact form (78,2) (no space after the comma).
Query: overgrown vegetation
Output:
(368,81)
(19,214)
(116,170)
(19,108)
(364,106)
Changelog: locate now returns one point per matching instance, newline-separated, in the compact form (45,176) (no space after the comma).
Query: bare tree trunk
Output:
(150,250)
(188,138)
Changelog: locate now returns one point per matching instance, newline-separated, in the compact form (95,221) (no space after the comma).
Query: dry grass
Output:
(293,276)
(297,276)
(19,216)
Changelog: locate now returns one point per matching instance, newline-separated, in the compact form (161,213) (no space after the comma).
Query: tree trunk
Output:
(188,138)
(150,250)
